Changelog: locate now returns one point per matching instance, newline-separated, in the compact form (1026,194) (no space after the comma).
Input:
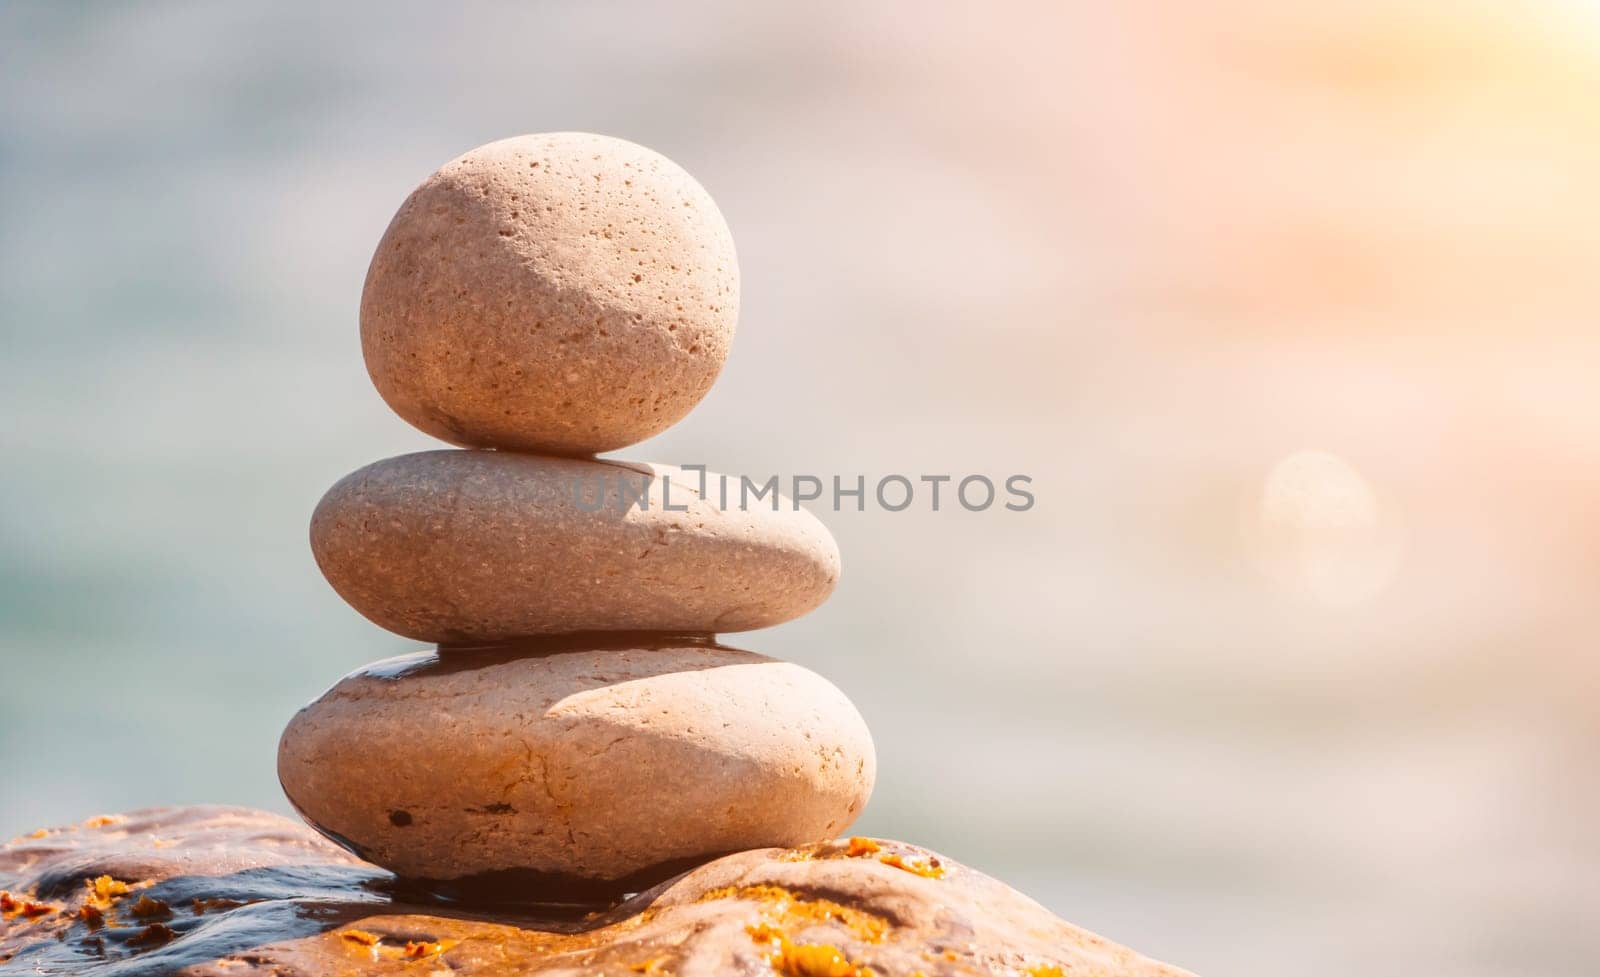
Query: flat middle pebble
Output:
(451,546)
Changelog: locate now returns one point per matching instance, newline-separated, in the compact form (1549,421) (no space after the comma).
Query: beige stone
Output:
(561,292)
(563,766)
(307,909)
(452,546)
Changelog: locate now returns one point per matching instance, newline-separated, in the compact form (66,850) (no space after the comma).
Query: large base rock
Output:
(223,890)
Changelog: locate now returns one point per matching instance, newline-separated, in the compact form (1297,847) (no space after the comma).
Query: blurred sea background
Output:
(1289,310)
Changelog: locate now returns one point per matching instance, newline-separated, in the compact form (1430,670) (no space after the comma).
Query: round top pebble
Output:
(565,293)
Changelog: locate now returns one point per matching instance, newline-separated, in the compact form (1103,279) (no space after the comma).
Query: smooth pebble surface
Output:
(562,292)
(449,546)
(581,771)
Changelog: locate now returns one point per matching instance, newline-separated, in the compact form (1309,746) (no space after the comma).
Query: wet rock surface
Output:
(230,891)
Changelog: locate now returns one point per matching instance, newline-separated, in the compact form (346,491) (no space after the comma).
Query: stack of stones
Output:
(578,733)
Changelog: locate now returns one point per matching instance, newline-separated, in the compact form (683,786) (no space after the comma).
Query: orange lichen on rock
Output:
(101,821)
(1044,970)
(860,846)
(813,960)
(105,890)
(649,967)
(784,910)
(410,950)
(929,868)
(418,949)
(794,855)
(91,914)
(26,908)
(148,908)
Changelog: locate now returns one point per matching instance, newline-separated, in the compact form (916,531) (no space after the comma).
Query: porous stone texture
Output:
(452,546)
(575,770)
(560,292)
(215,891)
